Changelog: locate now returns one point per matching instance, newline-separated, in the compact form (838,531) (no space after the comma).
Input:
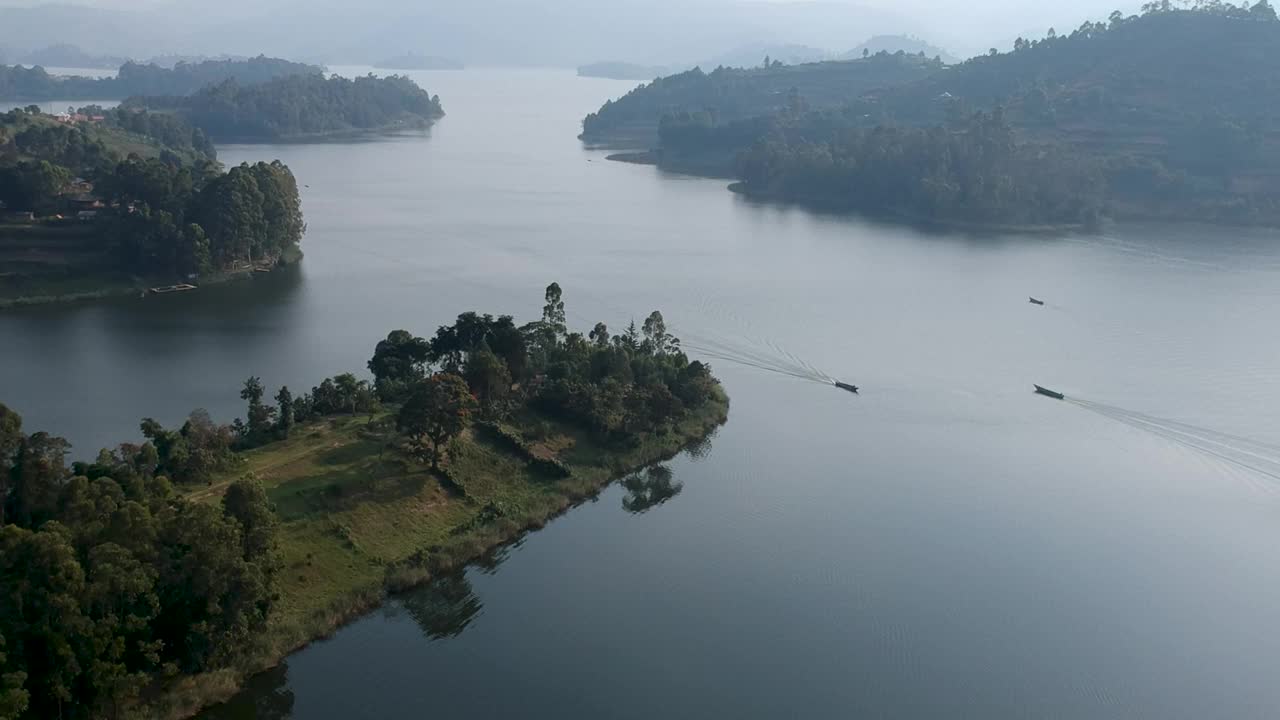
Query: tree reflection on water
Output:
(444,607)
(265,696)
(650,488)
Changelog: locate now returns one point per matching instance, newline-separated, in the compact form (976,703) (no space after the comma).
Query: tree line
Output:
(301,105)
(20,83)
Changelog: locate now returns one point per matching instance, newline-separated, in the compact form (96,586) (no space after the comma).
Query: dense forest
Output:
(164,214)
(19,83)
(110,579)
(1157,132)
(302,105)
(125,574)
(971,171)
(729,94)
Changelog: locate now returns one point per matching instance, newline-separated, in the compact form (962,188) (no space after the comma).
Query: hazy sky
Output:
(549,32)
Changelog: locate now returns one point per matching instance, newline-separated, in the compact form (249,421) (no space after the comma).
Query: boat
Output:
(1035,301)
(183,287)
(1050,393)
(846,386)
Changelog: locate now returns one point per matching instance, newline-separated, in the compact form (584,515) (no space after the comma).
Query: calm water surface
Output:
(945,544)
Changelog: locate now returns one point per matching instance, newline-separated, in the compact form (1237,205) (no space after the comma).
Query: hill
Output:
(71,56)
(894,43)
(23,84)
(1120,118)
(729,94)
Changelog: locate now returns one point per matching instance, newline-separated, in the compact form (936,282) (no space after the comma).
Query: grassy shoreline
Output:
(360,522)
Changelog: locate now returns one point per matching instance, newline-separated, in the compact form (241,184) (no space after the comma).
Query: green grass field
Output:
(360,519)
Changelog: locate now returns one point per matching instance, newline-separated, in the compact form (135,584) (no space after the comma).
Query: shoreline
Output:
(465,543)
(119,288)
(405,128)
(655,157)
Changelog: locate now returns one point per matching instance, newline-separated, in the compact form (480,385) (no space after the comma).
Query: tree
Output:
(38,475)
(257,428)
(32,185)
(398,362)
(437,411)
(214,600)
(1263,11)
(553,311)
(657,339)
(246,502)
(866,52)
(40,586)
(488,377)
(348,390)
(10,439)
(284,413)
(600,335)
(13,696)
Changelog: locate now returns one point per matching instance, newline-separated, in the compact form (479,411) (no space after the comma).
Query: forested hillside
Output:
(728,94)
(91,199)
(302,105)
(1166,133)
(19,83)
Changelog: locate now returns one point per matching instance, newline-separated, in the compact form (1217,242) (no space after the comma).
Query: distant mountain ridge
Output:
(19,83)
(893,43)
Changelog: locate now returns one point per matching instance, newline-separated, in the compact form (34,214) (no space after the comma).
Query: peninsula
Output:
(208,552)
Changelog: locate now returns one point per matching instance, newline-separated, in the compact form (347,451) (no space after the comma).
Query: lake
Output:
(946,543)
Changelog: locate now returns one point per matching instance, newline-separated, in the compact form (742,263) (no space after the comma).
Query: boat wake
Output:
(1246,453)
(768,357)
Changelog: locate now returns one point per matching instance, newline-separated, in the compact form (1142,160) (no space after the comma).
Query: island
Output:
(96,203)
(1108,121)
(414,61)
(301,107)
(178,566)
(18,83)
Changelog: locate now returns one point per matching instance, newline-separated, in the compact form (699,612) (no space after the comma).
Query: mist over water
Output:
(946,543)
